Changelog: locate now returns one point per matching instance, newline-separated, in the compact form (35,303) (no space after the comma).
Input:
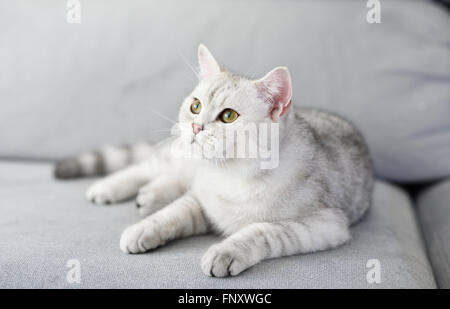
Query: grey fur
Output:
(68,168)
(338,147)
(98,162)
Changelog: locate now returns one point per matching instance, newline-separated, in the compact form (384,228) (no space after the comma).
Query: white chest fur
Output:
(225,197)
(230,200)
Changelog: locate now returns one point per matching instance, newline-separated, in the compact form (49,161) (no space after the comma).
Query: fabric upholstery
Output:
(434,215)
(45,223)
(65,88)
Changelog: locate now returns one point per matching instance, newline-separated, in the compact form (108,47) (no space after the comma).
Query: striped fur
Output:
(322,185)
(101,162)
(179,219)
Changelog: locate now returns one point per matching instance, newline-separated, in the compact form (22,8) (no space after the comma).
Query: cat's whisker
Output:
(191,78)
(252,75)
(189,65)
(164,117)
(163,130)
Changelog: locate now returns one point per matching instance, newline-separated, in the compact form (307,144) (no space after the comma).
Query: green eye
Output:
(196,106)
(228,115)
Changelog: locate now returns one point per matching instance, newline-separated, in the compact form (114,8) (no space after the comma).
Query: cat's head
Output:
(223,102)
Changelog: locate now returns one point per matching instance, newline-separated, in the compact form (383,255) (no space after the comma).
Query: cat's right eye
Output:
(196,106)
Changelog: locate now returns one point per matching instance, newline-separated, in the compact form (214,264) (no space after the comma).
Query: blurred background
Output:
(69,87)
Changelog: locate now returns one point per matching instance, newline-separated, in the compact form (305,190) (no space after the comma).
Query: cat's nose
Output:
(196,128)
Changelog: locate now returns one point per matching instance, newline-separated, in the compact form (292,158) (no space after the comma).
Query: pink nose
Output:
(196,128)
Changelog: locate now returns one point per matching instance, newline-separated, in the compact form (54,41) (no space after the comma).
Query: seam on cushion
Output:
(420,237)
(434,238)
(442,255)
(439,254)
(25,159)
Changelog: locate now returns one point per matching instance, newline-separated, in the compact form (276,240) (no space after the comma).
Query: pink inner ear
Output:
(285,108)
(276,88)
(208,65)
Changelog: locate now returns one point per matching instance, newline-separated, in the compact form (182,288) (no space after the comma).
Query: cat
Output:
(321,185)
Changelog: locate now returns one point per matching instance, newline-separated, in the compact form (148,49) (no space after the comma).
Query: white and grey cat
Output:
(322,184)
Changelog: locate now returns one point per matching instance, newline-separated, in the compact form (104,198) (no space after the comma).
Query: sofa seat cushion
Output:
(434,214)
(45,223)
(66,88)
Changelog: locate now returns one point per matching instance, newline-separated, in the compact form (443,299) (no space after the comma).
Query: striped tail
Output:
(101,162)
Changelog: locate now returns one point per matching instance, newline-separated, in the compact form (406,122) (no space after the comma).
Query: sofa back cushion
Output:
(116,76)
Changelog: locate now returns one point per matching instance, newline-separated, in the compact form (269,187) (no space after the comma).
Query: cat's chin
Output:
(201,151)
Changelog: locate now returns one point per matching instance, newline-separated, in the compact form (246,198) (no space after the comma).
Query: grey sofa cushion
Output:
(434,214)
(65,87)
(44,224)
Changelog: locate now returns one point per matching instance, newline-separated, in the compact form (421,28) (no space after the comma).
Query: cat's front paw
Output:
(101,193)
(146,203)
(222,260)
(140,237)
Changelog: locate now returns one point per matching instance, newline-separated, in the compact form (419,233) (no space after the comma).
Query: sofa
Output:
(119,74)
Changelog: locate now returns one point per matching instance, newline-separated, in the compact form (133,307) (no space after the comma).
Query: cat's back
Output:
(344,152)
(330,129)
(327,125)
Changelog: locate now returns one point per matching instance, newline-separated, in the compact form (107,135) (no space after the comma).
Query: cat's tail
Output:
(103,161)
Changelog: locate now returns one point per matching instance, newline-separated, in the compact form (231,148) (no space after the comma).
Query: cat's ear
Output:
(276,88)
(208,65)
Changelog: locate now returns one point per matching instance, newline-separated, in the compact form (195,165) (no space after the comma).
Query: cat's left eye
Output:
(228,115)
(196,106)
